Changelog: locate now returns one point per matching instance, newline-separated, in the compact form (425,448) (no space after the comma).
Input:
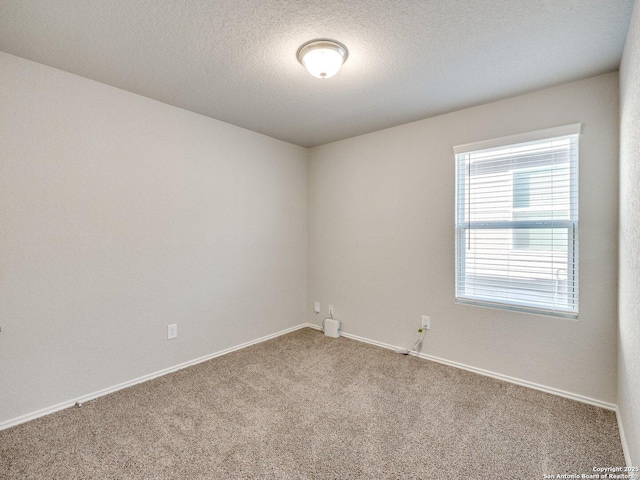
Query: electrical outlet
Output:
(330,309)
(426,322)
(316,307)
(172,331)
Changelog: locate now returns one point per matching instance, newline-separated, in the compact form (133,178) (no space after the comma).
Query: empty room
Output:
(320,240)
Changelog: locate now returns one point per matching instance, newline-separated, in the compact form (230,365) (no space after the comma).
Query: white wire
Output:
(419,340)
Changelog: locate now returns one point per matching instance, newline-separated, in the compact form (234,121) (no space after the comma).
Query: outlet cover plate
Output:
(426,322)
(172,331)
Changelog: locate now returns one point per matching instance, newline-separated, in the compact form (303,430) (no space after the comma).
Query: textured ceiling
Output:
(234,60)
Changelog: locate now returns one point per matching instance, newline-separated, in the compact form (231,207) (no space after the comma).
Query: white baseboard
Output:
(488,373)
(623,439)
(525,383)
(105,391)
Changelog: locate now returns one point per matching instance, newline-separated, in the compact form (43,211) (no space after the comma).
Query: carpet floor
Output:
(306,406)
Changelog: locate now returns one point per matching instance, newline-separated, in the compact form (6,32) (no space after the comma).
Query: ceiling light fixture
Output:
(322,58)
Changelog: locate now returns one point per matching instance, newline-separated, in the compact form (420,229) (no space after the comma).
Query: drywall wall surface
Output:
(120,215)
(629,288)
(381,241)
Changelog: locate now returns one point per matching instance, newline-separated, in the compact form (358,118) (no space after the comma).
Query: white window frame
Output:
(463,297)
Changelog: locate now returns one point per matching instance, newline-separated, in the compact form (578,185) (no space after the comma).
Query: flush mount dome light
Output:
(322,58)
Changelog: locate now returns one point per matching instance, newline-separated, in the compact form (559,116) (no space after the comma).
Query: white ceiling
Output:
(235,60)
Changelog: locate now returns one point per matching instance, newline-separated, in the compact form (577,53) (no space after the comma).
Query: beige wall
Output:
(120,215)
(381,241)
(629,303)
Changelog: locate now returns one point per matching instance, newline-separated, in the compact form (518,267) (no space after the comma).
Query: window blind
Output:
(517,222)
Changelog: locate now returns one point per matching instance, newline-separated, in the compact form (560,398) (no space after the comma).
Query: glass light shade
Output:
(322,58)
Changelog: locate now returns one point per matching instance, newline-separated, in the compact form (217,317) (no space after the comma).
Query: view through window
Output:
(517,225)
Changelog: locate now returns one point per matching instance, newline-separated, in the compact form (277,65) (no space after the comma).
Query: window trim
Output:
(574,129)
(562,131)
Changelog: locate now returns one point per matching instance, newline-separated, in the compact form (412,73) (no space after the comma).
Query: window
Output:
(517,222)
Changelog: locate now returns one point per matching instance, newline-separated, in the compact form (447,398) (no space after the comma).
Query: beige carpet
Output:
(306,406)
